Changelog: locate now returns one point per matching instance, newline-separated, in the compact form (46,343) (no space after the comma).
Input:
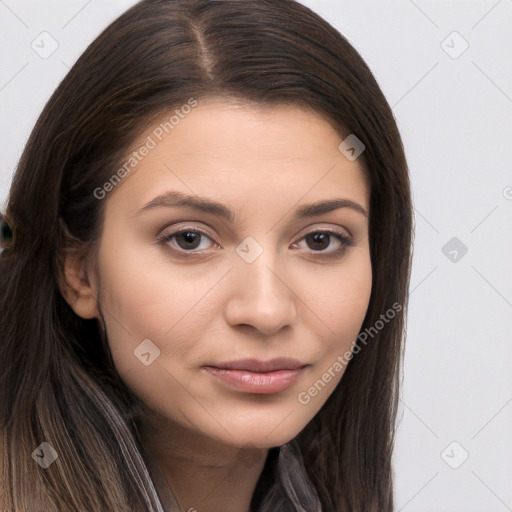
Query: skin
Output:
(293,300)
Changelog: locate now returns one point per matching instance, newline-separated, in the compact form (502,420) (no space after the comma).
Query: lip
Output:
(257,366)
(260,377)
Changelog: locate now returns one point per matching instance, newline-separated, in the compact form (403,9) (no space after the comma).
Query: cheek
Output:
(343,299)
(342,309)
(169,305)
(150,333)
(344,303)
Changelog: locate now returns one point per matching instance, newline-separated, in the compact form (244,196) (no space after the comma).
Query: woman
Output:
(257,370)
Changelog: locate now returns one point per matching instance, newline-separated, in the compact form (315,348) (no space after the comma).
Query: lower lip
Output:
(261,383)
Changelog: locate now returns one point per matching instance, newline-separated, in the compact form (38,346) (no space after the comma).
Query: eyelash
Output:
(346,242)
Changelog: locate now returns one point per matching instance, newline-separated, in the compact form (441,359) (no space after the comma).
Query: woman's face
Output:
(257,284)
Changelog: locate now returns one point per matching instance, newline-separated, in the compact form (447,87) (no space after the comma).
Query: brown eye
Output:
(321,241)
(186,240)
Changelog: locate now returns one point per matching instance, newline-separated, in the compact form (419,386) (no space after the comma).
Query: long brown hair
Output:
(57,380)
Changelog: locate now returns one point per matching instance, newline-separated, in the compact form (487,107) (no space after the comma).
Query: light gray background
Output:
(455,116)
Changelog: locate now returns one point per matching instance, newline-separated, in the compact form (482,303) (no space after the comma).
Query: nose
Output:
(261,295)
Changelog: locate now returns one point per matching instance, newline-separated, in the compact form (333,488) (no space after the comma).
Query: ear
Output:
(77,287)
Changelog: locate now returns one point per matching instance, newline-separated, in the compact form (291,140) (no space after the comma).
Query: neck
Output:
(201,473)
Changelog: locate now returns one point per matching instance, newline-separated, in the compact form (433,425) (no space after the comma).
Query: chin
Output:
(266,434)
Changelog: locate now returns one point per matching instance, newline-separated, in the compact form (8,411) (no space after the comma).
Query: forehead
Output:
(235,150)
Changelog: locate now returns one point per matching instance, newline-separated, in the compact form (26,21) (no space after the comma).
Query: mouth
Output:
(260,377)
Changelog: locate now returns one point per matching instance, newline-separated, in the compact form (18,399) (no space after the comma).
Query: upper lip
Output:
(257,366)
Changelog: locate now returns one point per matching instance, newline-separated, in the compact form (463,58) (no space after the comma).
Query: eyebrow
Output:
(180,199)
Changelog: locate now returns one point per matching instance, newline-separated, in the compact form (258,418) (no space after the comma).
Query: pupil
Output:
(321,238)
(189,236)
